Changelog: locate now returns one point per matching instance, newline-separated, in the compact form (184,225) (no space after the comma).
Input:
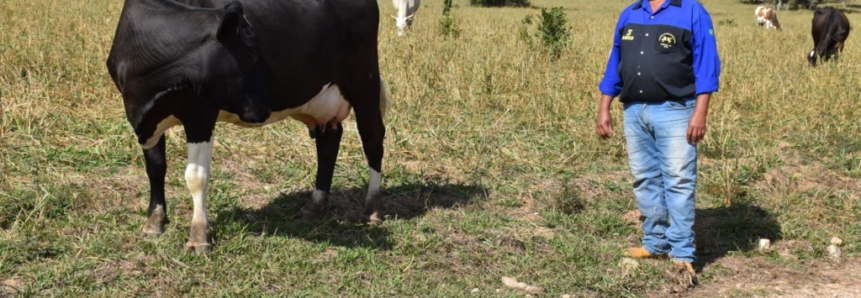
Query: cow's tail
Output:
(385,103)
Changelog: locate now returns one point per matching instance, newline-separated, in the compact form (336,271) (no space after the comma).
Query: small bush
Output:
(524,31)
(448,25)
(500,3)
(727,22)
(553,30)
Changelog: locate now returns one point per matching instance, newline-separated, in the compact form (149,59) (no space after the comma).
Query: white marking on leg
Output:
(318,197)
(197,178)
(373,203)
(374,182)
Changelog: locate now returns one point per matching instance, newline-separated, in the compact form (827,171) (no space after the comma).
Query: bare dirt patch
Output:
(736,276)
(11,287)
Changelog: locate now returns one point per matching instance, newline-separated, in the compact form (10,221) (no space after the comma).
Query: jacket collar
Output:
(672,2)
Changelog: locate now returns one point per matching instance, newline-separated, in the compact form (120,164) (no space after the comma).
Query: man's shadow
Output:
(343,224)
(735,228)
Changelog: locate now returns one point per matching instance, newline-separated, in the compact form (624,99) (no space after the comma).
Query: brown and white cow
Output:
(830,29)
(767,16)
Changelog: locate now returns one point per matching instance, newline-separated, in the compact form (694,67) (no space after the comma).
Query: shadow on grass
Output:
(735,228)
(343,225)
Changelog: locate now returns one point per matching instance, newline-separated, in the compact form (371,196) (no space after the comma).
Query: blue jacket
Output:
(668,55)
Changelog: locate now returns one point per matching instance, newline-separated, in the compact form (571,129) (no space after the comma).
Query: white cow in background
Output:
(406,10)
(786,6)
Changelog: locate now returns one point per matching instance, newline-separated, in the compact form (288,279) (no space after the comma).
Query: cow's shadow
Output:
(734,228)
(343,225)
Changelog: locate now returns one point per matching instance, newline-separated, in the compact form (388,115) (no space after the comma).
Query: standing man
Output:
(664,67)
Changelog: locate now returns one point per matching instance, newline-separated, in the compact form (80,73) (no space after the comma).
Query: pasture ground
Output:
(492,169)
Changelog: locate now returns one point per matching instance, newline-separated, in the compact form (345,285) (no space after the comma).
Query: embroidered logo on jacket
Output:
(667,40)
(628,36)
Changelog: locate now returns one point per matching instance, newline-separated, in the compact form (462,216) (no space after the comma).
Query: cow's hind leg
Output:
(156,168)
(328,142)
(197,178)
(369,121)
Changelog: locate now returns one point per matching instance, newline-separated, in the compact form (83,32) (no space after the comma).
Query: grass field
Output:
(492,169)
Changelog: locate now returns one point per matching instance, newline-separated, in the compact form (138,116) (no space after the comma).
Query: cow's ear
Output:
(230,16)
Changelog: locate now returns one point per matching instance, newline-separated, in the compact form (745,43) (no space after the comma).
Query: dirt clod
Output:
(533,290)
(509,282)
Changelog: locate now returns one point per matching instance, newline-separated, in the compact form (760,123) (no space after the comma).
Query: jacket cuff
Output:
(705,85)
(609,90)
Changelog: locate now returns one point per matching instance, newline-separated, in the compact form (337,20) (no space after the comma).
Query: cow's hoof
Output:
(200,240)
(374,208)
(373,218)
(311,211)
(198,247)
(154,226)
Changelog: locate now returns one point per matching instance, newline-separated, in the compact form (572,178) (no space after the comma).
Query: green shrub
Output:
(553,31)
(500,3)
(524,31)
(448,25)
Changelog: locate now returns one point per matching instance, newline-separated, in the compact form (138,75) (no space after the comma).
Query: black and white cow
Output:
(829,29)
(197,62)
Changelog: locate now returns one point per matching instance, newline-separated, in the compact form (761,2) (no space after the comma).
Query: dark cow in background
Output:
(830,29)
(198,62)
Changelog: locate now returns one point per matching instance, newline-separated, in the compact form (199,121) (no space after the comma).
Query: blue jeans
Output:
(664,166)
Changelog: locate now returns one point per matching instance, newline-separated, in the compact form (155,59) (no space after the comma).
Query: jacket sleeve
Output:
(612,84)
(706,61)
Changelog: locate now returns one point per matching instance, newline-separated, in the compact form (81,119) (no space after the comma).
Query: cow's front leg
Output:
(156,168)
(328,142)
(369,121)
(197,178)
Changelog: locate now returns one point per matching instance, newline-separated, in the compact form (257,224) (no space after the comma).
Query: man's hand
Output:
(605,121)
(697,124)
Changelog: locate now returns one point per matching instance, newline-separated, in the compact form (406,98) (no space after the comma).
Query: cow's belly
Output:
(327,107)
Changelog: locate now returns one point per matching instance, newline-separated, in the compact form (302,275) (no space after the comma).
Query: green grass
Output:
(484,133)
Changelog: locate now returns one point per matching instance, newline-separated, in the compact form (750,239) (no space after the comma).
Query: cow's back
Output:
(304,44)
(829,25)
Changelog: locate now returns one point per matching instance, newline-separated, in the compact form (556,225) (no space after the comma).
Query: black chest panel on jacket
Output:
(656,63)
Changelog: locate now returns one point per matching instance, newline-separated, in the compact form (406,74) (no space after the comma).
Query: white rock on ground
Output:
(834,252)
(764,244)
(474,291)
(513,283)
(836,241)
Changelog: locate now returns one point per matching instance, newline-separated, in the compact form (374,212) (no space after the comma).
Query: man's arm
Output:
(605,122)
(611,85)
(706,72)
(697,124)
